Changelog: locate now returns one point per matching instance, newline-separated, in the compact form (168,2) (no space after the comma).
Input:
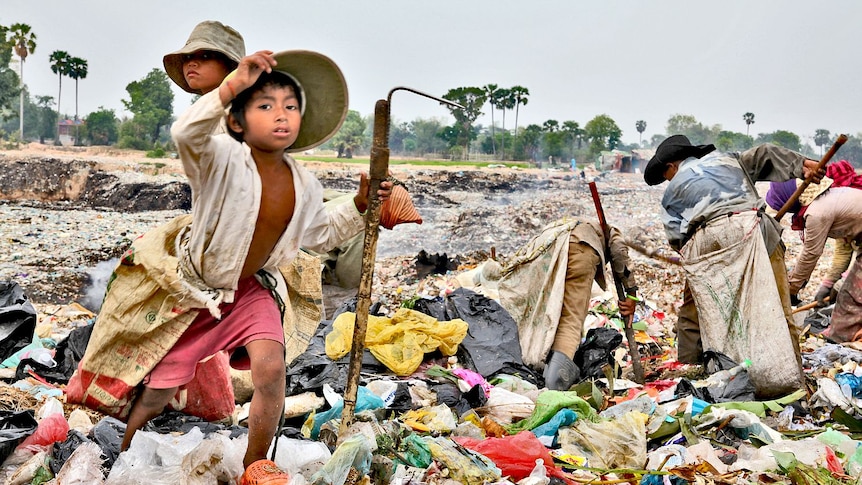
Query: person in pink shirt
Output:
(828,210)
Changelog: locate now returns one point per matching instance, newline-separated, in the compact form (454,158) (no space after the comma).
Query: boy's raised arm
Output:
(247,72)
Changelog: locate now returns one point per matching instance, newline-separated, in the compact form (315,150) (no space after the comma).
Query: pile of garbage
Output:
(467,411)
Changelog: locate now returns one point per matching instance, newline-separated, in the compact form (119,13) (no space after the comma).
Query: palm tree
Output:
(640,125)
(572,129)
(77,70)
(491,91)
(749,119)
(60,67)
(821,138)
(25,44)
(505,100)
(520,93)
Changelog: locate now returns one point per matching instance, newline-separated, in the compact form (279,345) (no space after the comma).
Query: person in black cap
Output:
(710,208)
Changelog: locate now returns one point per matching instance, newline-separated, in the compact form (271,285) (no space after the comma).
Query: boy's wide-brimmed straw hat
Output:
(672,149)
(208,35)
(325,90)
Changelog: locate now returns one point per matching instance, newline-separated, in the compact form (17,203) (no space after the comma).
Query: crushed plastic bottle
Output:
(722,377)
(850,384)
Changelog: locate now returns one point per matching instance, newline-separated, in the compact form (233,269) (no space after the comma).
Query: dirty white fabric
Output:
(226,190)
(728,270)
(532,286)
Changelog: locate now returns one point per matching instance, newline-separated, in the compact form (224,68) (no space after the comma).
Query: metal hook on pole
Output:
(378,172)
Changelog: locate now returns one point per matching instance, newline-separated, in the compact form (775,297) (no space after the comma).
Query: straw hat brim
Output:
(813,190)
(325,90)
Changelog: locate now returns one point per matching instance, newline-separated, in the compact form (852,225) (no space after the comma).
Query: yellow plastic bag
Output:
(400,342)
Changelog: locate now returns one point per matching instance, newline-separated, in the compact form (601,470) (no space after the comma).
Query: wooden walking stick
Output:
(621,292)
(823,161)
(378,172)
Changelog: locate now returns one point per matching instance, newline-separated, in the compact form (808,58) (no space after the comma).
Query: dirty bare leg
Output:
(267,403)
(147,406)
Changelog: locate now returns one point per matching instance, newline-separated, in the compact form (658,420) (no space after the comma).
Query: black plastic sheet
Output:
(739,388)
(108,434)
(69,353)
(61,452)
(596,351)
(492,345)
(17,319)
(176,421)
(14,428)
(819,319)
(313,368)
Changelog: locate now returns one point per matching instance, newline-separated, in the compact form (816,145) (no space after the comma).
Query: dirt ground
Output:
(469,214)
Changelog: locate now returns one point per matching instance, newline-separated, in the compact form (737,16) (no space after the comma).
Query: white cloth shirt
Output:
(226,192)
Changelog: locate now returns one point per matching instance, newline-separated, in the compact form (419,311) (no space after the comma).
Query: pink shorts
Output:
(252,316)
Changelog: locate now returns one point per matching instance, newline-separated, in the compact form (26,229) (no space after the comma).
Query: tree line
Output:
(150,100)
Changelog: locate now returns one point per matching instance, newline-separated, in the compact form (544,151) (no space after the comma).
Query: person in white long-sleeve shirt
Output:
(253,207)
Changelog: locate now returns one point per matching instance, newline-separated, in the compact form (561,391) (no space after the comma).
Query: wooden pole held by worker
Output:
(621,292)
(378,172)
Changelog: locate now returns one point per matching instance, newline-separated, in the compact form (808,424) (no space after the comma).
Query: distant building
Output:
(629,162)
(610,160)
(640,157)
(68,131)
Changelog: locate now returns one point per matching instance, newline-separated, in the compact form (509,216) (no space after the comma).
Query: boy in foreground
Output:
(253,207)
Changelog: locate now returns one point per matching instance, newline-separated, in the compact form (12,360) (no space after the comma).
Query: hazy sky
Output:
(794,63)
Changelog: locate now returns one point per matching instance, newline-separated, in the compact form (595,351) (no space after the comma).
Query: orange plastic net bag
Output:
(264,472)
(398,209)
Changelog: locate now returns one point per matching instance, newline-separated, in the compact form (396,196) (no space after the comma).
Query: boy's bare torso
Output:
(277,203)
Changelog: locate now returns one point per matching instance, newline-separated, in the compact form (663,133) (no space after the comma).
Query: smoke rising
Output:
(99,275)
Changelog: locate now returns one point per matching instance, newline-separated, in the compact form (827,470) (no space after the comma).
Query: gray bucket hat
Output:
(208,35)
(325,95)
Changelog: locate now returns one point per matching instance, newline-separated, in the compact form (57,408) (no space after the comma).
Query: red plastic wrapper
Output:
(515,455)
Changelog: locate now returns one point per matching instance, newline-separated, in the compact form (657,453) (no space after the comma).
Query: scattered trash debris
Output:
(463,405)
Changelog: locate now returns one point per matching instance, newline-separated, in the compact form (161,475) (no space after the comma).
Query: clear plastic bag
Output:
(353,453)
(620,443)
(187,459)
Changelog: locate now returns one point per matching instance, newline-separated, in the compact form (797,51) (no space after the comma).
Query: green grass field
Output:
(364,160)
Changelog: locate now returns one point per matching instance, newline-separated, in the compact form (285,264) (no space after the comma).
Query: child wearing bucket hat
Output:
(211,52)
(210,281)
